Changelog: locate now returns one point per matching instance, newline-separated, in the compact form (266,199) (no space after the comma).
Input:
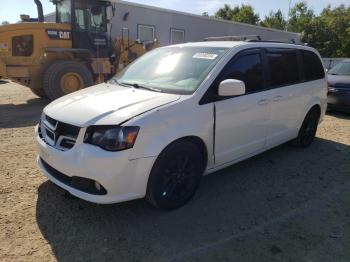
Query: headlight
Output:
(112,138)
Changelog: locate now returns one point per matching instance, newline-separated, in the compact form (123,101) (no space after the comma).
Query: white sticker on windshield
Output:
(205,56)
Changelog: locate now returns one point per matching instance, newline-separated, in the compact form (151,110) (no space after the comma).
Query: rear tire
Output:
(308,129)
(39,92)
(175,176)
(65,77)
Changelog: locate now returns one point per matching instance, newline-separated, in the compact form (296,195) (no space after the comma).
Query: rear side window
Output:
(313,68)
(284,68)
(248,69)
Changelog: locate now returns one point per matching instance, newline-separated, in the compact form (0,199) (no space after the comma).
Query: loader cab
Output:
(88,19)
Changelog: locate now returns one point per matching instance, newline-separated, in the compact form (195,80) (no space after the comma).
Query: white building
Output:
(147,23)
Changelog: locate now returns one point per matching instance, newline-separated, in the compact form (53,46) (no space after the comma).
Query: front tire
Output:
(65,77)
(175,176)
(39,92)
(308,129)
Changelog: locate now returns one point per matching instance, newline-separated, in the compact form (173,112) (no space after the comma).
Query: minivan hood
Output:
(338,79)
(105,104)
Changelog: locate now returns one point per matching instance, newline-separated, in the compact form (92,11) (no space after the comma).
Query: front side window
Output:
(313,68)
(284,68)
(64,12)
(343,68)
(172,69)
(145,33)
(248,69)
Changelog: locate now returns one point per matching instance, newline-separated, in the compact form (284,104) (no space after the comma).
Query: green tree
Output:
(5,23)
(299,17)
(242,14)
(330,32)
(225,13)
(275,20)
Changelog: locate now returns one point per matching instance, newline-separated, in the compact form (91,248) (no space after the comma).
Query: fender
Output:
(157,134)
(314,101)
(319,97)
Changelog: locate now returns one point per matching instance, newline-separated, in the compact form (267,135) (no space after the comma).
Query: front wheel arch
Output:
(197,141)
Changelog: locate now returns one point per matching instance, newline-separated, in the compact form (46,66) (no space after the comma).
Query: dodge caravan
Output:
(177,113)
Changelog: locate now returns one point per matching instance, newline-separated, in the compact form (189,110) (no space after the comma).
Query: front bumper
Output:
(123,179)
(339,99)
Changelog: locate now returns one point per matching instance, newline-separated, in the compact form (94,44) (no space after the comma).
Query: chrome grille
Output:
(58,134)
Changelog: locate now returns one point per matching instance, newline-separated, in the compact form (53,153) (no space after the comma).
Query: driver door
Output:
(241,122)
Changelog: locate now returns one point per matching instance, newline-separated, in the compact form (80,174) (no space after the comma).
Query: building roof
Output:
(195,16)
(198,16)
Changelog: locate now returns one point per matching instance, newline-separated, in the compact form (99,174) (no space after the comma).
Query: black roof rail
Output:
(292,41)
(251,38)
(233,38)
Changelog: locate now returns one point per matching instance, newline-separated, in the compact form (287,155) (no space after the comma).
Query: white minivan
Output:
(177,113)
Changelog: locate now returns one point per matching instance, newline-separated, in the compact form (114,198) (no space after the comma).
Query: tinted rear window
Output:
(283,68)
(313,68)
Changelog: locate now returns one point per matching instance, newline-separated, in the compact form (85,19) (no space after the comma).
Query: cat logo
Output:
(58,34)
(64,35)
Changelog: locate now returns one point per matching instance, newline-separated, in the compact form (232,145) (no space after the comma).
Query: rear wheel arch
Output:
(308,128)
(316,107)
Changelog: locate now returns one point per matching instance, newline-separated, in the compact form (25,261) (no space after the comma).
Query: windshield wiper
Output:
(137,86)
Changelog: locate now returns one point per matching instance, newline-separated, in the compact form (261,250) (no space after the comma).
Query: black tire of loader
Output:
(57,70)
(39,92)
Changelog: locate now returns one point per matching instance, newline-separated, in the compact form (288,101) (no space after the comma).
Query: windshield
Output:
(178,70)
(342,68)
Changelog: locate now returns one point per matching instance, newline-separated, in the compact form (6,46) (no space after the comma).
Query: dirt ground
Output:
(287,204)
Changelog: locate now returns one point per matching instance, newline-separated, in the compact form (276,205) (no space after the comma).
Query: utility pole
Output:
(288,15)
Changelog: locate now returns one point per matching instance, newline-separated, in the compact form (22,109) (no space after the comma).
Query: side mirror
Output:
(231,87)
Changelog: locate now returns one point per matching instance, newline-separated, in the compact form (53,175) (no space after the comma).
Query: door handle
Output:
(264,102)
(277,98)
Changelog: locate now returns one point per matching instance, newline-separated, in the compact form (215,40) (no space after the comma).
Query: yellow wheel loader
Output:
(54,59)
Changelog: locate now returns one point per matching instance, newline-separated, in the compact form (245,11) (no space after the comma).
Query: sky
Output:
(11,9)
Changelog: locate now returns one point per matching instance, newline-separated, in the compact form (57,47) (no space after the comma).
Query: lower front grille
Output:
(83,184)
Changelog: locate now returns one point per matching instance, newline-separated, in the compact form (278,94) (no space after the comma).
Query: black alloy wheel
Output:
(175,176)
